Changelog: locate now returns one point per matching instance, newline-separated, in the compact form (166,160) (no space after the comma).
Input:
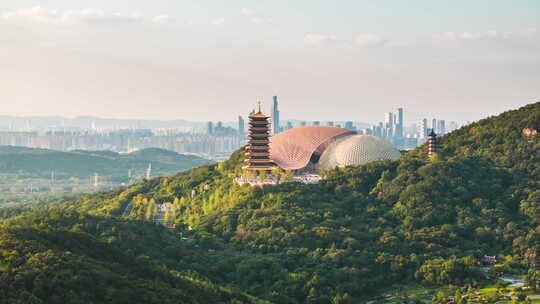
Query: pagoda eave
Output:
(255,154)
(259,129)
(259,161)
(267,168)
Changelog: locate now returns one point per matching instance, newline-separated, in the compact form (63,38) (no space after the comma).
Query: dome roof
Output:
(356,150)
(293,148)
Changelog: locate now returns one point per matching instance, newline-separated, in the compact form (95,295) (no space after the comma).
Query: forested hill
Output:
(64,257)
(509,140)
(360,231)
(18,163)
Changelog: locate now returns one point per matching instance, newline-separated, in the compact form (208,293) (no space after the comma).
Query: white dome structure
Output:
(357,150)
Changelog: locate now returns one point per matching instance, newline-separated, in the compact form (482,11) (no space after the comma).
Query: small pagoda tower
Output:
(432,143)
(258,147)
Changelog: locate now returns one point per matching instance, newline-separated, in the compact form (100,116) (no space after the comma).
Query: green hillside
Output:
(18,164)
(359,232)
(66,257)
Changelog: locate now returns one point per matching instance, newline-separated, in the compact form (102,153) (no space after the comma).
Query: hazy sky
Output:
(327,60)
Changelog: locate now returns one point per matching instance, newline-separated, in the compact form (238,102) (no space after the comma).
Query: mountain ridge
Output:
(39,163)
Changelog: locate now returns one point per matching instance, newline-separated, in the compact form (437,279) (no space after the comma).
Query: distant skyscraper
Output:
(349,125)
(316,123)
(210,128)
(330,123)
(412,132)
(423,128)
(399,125)
(374,130)
(275,116)
(389,124)
(452,126)
(441,127)
(388,119)
(434,125)
(241,128)
(303,123)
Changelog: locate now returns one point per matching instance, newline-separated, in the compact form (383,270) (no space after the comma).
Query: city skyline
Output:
(92,123)
(218,140)
(414,117)
(200,61)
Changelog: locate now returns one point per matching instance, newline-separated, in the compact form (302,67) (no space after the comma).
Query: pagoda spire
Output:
(258,147)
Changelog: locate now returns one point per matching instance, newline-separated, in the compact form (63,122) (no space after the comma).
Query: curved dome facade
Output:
(356,150)
(294,148)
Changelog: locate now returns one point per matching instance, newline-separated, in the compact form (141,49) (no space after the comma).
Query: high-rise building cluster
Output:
(220,130)
(216,141)
(217,146)
(393,129)
(439,126)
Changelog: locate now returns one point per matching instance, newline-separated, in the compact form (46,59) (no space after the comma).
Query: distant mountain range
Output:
(19,164)
(90,122)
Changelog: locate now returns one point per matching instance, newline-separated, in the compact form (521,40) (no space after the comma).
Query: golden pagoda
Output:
(258,147)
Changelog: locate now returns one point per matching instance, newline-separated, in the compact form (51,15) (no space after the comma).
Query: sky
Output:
(213,60)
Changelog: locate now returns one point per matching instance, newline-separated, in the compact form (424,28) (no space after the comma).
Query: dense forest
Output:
(20,164)
(14,205)
(361,230)
(55,256)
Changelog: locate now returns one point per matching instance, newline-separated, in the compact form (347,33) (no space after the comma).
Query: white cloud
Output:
(368,40)
(43,15)
(361,40)
(458,38)
(255,17)
(162,19)
(219,21)
(320,40)
(469,36)
(518,37)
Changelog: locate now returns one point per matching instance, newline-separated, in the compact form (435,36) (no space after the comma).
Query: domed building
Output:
(299,147)
(319,147)
(357,150)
